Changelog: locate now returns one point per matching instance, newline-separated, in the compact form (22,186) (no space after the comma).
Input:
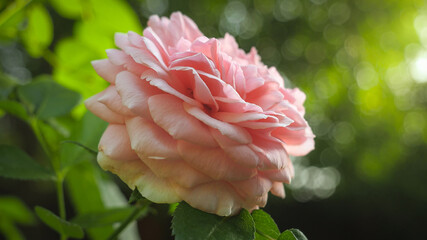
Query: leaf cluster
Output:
(189,223)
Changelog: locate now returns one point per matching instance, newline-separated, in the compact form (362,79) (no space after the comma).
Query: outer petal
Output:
(185,26)
(298,142)
(240,154)
(257,186)
(213,162)
(136,174)
(112,100)
(121,40)
(173,169)
(115,144)
(149,140)
(144,57)
(280,175)
(102,111)
(217,197)
(278,189)
(106,69)
(135,93)
(167,112)
(118,57)
(271,152)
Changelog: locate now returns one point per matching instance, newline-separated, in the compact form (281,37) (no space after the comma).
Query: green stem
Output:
(61,200)
(54,160)
(139,207)
(41,138)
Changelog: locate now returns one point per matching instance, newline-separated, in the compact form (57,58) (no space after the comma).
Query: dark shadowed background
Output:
(362,64)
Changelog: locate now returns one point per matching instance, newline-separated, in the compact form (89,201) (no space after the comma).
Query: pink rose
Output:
(197,119)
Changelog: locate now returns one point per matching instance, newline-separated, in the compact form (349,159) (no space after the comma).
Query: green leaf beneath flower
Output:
(58,224)
(15,163)
(189,223)
(266,228)
(292,234)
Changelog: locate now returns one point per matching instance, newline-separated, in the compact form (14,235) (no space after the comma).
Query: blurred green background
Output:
(362,64)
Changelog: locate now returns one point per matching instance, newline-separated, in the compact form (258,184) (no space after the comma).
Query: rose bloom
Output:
(197,119)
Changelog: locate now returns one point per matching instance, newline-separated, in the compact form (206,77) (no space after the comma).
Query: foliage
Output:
(361,64)
(190,223)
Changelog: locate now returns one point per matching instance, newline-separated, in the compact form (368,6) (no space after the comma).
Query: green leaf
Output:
(15,210)
(103,218)
(14,108)
(72,9)
(7,83)
(11,17)
(135,196)
(15,163)
(39,32)
(92,37)
(58,224)
(189,223)
(172,208)
(292,234)
(47,98)
(265,226)
(9,230)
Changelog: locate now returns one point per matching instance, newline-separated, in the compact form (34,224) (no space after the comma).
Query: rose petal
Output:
(106,69)
(184,26)
(115,143)
(192,80)
(144,57)
(278,189)
(280,175)
(121,40)
(232,117)
(235,133)
(256,186)
(253,80)
(213,162)
(136,174)
(173,169)
(301,149)
(266,96)
(149,140)
(149,33)
(236,105)
(271,152)
(224,202)
(240,154)
(118,57)
(135,93)
(102,111)
(112,100)
(197,61)
(167,112)
(164,86)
